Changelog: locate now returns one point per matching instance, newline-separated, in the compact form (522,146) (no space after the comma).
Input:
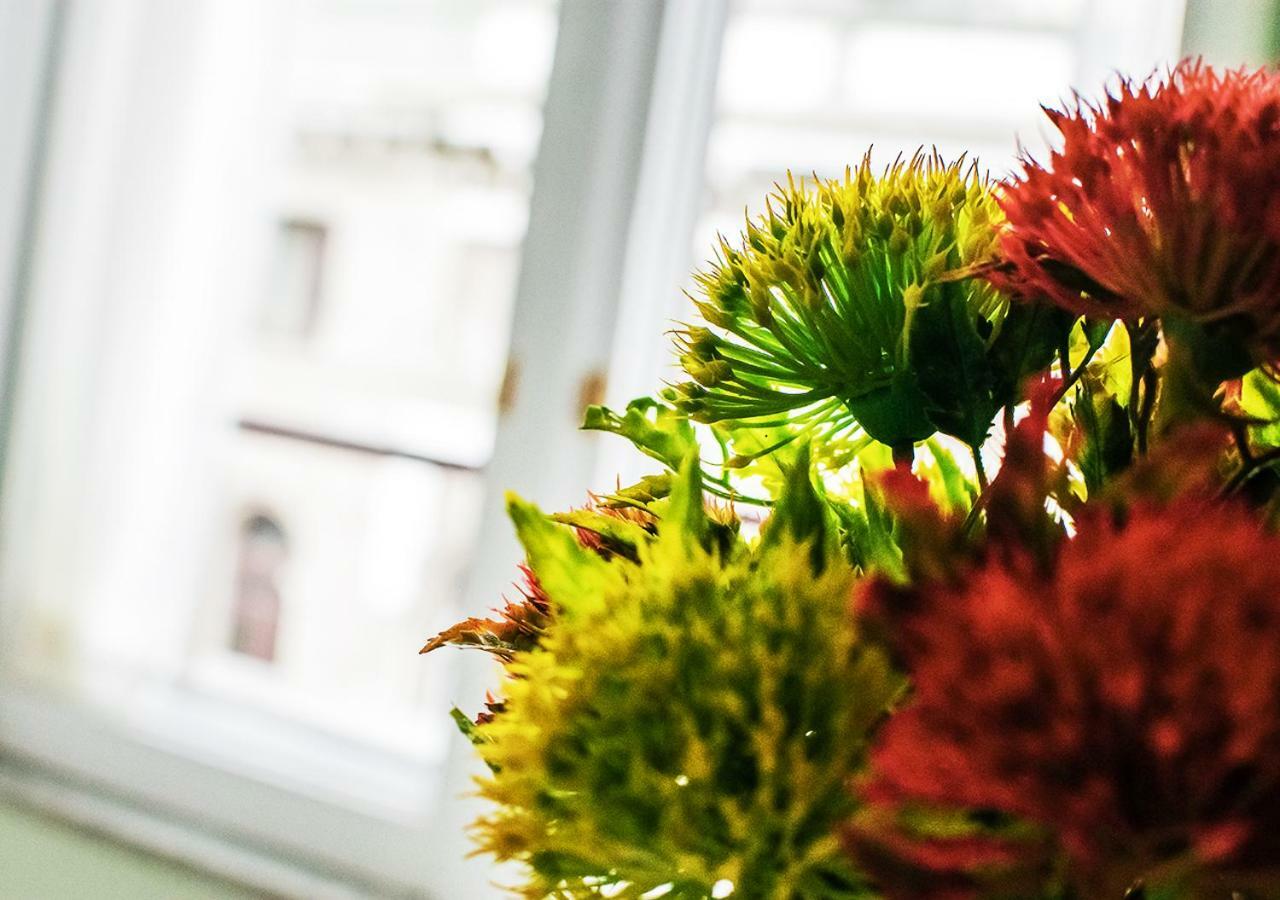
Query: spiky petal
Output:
(1126,701)
(517,626)
(1164,200)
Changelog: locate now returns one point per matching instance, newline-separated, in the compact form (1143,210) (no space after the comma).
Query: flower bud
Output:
(712,373)
(760,310)
(936,265)
(714,314)
(703,341)
(940,211)
(692,407)
(899,241)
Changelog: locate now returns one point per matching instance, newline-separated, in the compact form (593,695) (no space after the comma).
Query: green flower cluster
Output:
(688,727)
(852,308)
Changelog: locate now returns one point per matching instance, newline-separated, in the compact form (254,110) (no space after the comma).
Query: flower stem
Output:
(1149,386)
(979,467)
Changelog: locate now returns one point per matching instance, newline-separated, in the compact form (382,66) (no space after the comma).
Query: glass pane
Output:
(809,85)
(265,483)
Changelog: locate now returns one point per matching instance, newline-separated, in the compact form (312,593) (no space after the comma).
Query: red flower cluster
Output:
(1126,701)
(1163,201)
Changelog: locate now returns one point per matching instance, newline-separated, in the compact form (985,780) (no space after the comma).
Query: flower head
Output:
(519,623)
(1162,201)
(848,309)
(690,718)
(605,530)
(1125,701)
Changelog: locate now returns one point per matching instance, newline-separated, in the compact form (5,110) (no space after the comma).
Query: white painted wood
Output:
(175,762)
(27,33)
(668,202)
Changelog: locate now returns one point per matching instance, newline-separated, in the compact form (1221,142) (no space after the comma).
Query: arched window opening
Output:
(261,558)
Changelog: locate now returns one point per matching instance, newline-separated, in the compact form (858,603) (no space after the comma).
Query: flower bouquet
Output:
(957,572)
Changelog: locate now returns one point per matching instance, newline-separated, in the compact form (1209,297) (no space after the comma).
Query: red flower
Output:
(1163,201)
(1126,700)
(519,624)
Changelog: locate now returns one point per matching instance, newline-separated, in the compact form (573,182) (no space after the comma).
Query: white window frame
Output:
(618,174)
(272,804)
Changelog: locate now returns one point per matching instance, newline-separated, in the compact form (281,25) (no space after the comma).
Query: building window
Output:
(263,553)
(294,295)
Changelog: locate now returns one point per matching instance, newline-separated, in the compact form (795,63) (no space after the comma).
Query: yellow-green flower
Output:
(689,722)
(849,308)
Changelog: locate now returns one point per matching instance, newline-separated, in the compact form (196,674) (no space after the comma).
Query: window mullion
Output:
(668,202)
(585,188)
(586,181)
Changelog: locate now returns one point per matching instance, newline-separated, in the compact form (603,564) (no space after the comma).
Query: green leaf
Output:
(619,535)
(466,726)
(761,451)
(799,512)
(1260,397)
(950,360)
(802,515)
(684,520)
(1095,332)
(654,428)
(957,490)
(574,578)
(1112,364)
(1108,437)
(895,414)
(869,537)
(1029,338)
(644,492)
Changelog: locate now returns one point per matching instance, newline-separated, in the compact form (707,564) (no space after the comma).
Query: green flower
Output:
(849,309)
(688,725)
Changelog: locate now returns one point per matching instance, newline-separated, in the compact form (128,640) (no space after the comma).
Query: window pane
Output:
(251,434)
(807,86)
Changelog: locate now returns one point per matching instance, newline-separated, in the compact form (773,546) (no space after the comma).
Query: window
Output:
(322,338)
(260,561)
(807,86)
(292,301)
(302,295)
(273,275)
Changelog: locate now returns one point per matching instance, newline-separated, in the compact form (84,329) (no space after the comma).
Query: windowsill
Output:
(95,812)
(230,736)
(58,846)
(274,806)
